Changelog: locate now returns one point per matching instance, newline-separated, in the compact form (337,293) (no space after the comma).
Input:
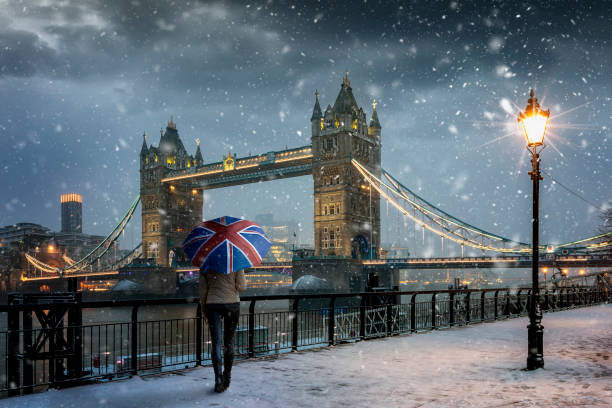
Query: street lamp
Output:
(534,121)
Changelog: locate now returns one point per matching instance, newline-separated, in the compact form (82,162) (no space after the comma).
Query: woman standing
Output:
(220,300)
(222,248)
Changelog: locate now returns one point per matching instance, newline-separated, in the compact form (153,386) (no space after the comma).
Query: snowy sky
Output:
(81,80)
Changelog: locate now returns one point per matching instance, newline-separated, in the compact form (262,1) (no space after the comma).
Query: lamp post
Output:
(534,121)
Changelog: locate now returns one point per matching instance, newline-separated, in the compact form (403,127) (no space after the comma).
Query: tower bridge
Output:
(344,159)
(346,216)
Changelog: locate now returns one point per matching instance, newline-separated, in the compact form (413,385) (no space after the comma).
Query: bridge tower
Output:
(169,211)
(346,211)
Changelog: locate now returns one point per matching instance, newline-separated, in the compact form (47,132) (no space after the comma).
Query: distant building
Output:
(22,232)
(71,238)
(281,234)
(72,212)
(69,241)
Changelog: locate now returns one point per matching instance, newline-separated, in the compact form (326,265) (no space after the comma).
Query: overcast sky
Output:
(81,80)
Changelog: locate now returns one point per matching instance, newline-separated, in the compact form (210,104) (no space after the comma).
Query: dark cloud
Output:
(23,54)
(81,80)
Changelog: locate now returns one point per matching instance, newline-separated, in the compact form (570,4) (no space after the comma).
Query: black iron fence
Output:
(48,345)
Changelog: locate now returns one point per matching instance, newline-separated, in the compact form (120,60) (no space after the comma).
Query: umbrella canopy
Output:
(226,245)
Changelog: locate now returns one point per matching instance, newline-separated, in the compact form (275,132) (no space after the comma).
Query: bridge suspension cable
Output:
(95,254)
(445,225)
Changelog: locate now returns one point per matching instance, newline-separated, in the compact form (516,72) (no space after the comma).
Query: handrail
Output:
(257,298)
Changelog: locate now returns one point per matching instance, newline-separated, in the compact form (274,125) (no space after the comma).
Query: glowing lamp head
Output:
(534,121)
(50,249)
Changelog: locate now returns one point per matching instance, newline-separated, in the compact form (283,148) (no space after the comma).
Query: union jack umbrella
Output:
(226,245)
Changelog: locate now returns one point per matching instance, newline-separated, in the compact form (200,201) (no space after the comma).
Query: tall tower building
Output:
(168,211)
(346,210)
(72,212)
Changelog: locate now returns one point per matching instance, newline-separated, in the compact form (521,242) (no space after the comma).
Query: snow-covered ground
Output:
(479,365)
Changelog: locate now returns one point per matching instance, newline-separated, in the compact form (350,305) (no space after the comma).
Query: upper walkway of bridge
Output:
(477,366)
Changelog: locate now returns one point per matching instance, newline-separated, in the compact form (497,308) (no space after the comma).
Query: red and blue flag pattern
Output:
(226,245)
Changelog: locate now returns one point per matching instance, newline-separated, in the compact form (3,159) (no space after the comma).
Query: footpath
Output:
(473,366)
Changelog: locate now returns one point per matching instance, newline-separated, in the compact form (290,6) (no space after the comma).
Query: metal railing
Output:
(40,350)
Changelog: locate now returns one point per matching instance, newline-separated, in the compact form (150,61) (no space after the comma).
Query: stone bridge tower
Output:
(346,211)
(168,211)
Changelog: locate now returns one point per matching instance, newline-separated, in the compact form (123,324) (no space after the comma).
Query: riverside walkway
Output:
(479,366)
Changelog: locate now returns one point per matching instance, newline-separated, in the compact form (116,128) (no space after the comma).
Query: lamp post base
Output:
(535,341)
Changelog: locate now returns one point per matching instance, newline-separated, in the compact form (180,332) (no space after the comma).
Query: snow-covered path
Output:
(478,365)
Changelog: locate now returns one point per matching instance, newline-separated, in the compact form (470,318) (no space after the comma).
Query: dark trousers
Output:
(229,312)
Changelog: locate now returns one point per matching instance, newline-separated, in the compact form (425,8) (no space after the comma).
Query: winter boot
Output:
(227,372)
(218,380)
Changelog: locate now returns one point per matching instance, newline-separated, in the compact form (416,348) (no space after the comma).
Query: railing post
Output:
(362,318)
(413,313)
(451,308)
(587,295)
(331,324)
(433,311)
(294,326)
(468,311)
(495,314)
(28,368)
(508,311)
(389,317)
(134,339)
(482,306)
(13,364)
(528,301)
(252,329)
(75,337)
(199,334)
(519,307)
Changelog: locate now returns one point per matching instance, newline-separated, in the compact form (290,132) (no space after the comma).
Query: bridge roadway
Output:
(568,261)
(564,261)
